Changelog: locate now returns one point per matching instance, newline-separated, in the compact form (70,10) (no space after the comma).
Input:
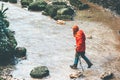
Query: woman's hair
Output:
(75,28)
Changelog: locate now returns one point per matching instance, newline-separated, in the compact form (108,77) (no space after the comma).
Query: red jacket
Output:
(80,41)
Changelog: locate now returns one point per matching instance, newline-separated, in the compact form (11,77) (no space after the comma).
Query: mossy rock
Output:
(26,3)
(65,11)
(20,52)
(13,1)
(37,6)
(39,72)
(51,10)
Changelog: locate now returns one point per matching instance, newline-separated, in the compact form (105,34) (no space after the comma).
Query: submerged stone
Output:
(20,52)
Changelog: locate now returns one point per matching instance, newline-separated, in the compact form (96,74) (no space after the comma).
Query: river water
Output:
(52,45)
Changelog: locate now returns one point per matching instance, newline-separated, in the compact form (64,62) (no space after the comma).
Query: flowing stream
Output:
(52,45)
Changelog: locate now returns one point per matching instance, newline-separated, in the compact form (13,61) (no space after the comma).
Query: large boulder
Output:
(39,72)
(37,6)
(65,11)
(51,10)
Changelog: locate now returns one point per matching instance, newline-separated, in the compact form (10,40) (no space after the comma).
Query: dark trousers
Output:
(82,54)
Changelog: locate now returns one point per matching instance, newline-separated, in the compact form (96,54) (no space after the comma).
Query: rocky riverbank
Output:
(38,30)
(99,14)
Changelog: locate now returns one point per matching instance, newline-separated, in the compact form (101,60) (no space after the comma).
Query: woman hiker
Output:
(80,47)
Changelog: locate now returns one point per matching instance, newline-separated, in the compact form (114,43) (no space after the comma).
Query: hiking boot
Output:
(89,66)
(74,66)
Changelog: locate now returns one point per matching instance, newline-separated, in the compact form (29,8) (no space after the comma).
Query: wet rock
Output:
(61,22)
(20,52)
(76,75)
(89,37)
(39,72)
(106,75)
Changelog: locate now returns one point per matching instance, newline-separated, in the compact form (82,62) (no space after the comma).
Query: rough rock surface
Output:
(39,72)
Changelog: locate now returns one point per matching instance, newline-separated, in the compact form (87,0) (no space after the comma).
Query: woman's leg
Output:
(74,66)
(86,59)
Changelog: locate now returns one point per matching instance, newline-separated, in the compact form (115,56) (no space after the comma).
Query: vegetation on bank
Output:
(8,43)
(7,39)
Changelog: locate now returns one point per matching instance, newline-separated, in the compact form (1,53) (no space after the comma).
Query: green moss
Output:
(37,6)
(65,11)
(39,72)
(26,3)
(51,10)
